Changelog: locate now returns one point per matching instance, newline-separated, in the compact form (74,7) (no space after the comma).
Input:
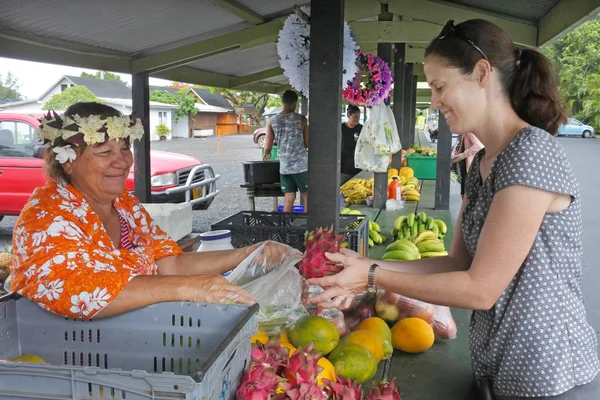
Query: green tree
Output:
(108,76)
(576,58)
(186,105)
(241,98)
(72,95)
(9,88)
(591,101)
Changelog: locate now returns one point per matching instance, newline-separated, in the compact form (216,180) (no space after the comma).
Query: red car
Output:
(260,137)
(175,178)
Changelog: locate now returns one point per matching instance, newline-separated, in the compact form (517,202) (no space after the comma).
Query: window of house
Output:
(17,139)
(64,86)
(160,117)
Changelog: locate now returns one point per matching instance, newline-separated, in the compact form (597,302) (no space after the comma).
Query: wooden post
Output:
(442,181)
(399,67)
(218,139)
(140,95)
(413,104)
(304,106)
(324,137)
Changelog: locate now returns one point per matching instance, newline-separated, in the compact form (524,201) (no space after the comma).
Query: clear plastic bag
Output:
(366,159)
(393,307)
(381,131)
(276,284)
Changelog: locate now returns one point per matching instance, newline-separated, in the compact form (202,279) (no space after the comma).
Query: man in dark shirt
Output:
(350,132)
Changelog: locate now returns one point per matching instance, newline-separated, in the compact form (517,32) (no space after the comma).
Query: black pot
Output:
(163,138)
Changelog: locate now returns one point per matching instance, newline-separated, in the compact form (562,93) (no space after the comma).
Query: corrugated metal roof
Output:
(241,62)
(131,26)
(531,10)
(272,8)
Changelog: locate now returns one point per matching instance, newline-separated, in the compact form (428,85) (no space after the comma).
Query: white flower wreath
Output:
(293,48)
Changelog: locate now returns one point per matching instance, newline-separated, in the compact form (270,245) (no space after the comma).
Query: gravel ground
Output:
(227,163)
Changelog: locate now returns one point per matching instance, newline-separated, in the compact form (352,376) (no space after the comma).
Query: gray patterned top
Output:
(535,341)
(293,157)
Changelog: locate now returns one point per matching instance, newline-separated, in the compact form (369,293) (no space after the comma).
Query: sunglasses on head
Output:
(449,29)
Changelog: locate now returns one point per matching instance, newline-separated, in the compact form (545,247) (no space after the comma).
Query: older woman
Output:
(85,247)
(516,254)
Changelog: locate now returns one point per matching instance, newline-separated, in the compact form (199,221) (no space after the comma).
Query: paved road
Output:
(583,154)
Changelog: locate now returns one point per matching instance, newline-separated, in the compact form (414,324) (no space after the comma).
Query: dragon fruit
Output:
(259,383)
(343,389)
(303,367)
(314,264)
(271,354)
(304,391)
(384,391)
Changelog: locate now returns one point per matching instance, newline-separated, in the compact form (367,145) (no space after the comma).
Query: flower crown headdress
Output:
(62,132)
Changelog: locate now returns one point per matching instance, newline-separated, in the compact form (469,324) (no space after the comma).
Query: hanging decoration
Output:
(293,48)
(373,82)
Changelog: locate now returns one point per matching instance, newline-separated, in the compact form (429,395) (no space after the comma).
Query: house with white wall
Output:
(113,93)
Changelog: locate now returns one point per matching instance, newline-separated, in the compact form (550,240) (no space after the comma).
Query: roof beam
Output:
(563,17)
(393,31)
(195,51)
(258,76)
(439,13)
(359,9)
(195,76)
(240,10)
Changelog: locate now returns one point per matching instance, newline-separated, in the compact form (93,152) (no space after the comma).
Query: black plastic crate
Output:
(249,227)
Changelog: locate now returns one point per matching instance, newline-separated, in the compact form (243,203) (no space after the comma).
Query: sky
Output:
(35,78)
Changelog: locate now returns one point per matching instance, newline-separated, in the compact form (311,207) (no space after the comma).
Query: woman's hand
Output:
(214,289)
(341,288)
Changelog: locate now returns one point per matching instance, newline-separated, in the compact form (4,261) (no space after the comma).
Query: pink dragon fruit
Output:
(271,354)
(304,391)
(314,264)
(259,383)
(384,391)
(343,389)
(303,367)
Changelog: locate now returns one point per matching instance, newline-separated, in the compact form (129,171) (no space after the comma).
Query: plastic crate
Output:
(274,154)
(424,166)
(295,209)
(249,227)
(164,351)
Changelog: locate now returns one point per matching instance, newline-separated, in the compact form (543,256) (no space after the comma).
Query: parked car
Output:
(260,137)
(574,127)
(175,178)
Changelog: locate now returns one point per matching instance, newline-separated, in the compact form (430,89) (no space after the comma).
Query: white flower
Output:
(101,297)
(71,265)
(41,214)
(137,130)
(38,238)
(64,228)
(79,212)
(81,304)
(117,127)
(89,127)
(64,153)
(101,267)
(47,132)
(52,291)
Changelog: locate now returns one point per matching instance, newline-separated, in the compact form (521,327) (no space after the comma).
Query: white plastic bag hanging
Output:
(381,131)
(366,159)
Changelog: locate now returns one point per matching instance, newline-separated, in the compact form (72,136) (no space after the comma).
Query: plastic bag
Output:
(366,159)
(381,131)
(277,286)
(393,307)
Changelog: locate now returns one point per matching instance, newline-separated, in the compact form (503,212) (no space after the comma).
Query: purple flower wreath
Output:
(372,84)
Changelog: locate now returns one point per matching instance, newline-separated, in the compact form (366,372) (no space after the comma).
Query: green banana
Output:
(441,225)
(435,230)
(421,227)
(410,219)
(399,221)
(378,238)
(414,230)
(398,255)
(429,223)
(427,246)
(425,235)
(345,244)
(371,243)
(383,238)
(374,226)
(394,232)
(423,216)
(373,235)
(404,245)
(406,231)
(431,254)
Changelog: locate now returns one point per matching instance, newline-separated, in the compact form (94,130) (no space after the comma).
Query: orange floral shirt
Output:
(64,259)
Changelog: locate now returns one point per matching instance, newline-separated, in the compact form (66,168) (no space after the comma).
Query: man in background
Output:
(350,132)
(291,131)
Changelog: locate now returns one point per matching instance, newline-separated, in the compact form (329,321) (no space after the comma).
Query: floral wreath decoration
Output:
(62,132)
(373,82)
(293,48)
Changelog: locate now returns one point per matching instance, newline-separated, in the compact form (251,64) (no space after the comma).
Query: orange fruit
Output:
(288,346)
(368,339)
(314,329)
(283,337)
(412,335)
(328,371)
(353,361)
(261,337)
(381,328)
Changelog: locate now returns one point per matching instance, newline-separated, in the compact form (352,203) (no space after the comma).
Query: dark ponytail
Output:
(526,75)
(533,92)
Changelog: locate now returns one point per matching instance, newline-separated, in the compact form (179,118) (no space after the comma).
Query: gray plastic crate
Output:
(164,351)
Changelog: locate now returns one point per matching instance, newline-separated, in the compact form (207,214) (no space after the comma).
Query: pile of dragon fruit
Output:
(274,375)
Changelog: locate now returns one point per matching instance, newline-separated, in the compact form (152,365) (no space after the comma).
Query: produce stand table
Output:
(444,371)
(263,190)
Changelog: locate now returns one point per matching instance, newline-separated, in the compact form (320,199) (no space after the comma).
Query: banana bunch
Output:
(429,245)
(356,190)
(410,190)
(375,236)
(409,226)
(402,249)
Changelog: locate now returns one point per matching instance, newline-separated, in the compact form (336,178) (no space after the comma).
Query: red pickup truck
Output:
(175,178)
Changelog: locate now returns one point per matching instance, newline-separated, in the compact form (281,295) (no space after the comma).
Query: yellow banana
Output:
(432,245)
(441,225)
(404,245)
(399,255)
(413,198)
(399,221)
(425,235)
(431,254)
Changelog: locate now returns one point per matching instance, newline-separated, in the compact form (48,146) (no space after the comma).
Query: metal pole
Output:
(140,95)
(414,109)
(442,182)
(407,121)
(325,134)
(399,67)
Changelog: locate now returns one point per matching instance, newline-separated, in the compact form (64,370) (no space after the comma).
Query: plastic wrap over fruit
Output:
(333,314)
(393,307)
(363,307)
